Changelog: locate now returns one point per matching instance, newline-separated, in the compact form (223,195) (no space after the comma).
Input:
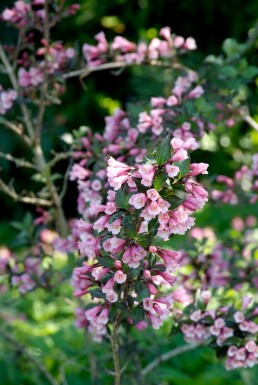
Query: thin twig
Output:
(167,356)
(58,157)
(39,156)
(44,87)
(83,72)
(248,119)
(18,162)
(33,200)
(23,350)
(16,129)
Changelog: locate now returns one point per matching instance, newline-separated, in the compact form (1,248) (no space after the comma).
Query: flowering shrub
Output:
(134,265)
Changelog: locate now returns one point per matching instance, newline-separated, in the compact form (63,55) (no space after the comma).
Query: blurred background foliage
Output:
(210,23)
(43,322)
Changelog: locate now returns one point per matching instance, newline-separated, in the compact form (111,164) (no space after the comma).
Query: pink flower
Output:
(171,170)
(196,316)
(195,93)
(115,226)
(133,255)
(152,194)
(122,44)
(190,44)
(153,208)
(23,78)
(198,168)
(101,223)
(120,277)
(147,172)
(179,155)
(239,317)
(112,296)
(138,200)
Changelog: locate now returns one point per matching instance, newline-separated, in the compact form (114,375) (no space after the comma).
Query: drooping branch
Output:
(83,72)
(166,356)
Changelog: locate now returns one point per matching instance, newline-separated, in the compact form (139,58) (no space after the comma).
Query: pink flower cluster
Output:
(55,58)
(235,188)
(166,112)
(7,99)
(26,272)
(22,275)
(120,240)
(19,15)
(211,326)
(123,50)
(23,14)
(243,357)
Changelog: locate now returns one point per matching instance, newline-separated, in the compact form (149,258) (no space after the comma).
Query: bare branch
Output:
(24,351)
(17,129)
(58,157)
(18,162)
(167,356)
(66,177)
(33,200)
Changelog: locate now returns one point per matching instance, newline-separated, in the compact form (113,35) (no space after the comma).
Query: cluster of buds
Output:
(229,263)
(123,50)
(23,14)
(28,272)
(244,183)
(232,333)
(7,99)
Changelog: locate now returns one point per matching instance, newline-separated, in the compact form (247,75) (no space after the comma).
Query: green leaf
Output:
(129,225)
(250,72)
(144,240)
(122,199)
(141,291)
(140,187)
(184,166)
(160,180)
(202,106)
(137,314)
(174,197)
(164,151)
(179,192)
(106,261)
(97,293)
(231,47)
(228,71)
(153,225)
(115,216)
